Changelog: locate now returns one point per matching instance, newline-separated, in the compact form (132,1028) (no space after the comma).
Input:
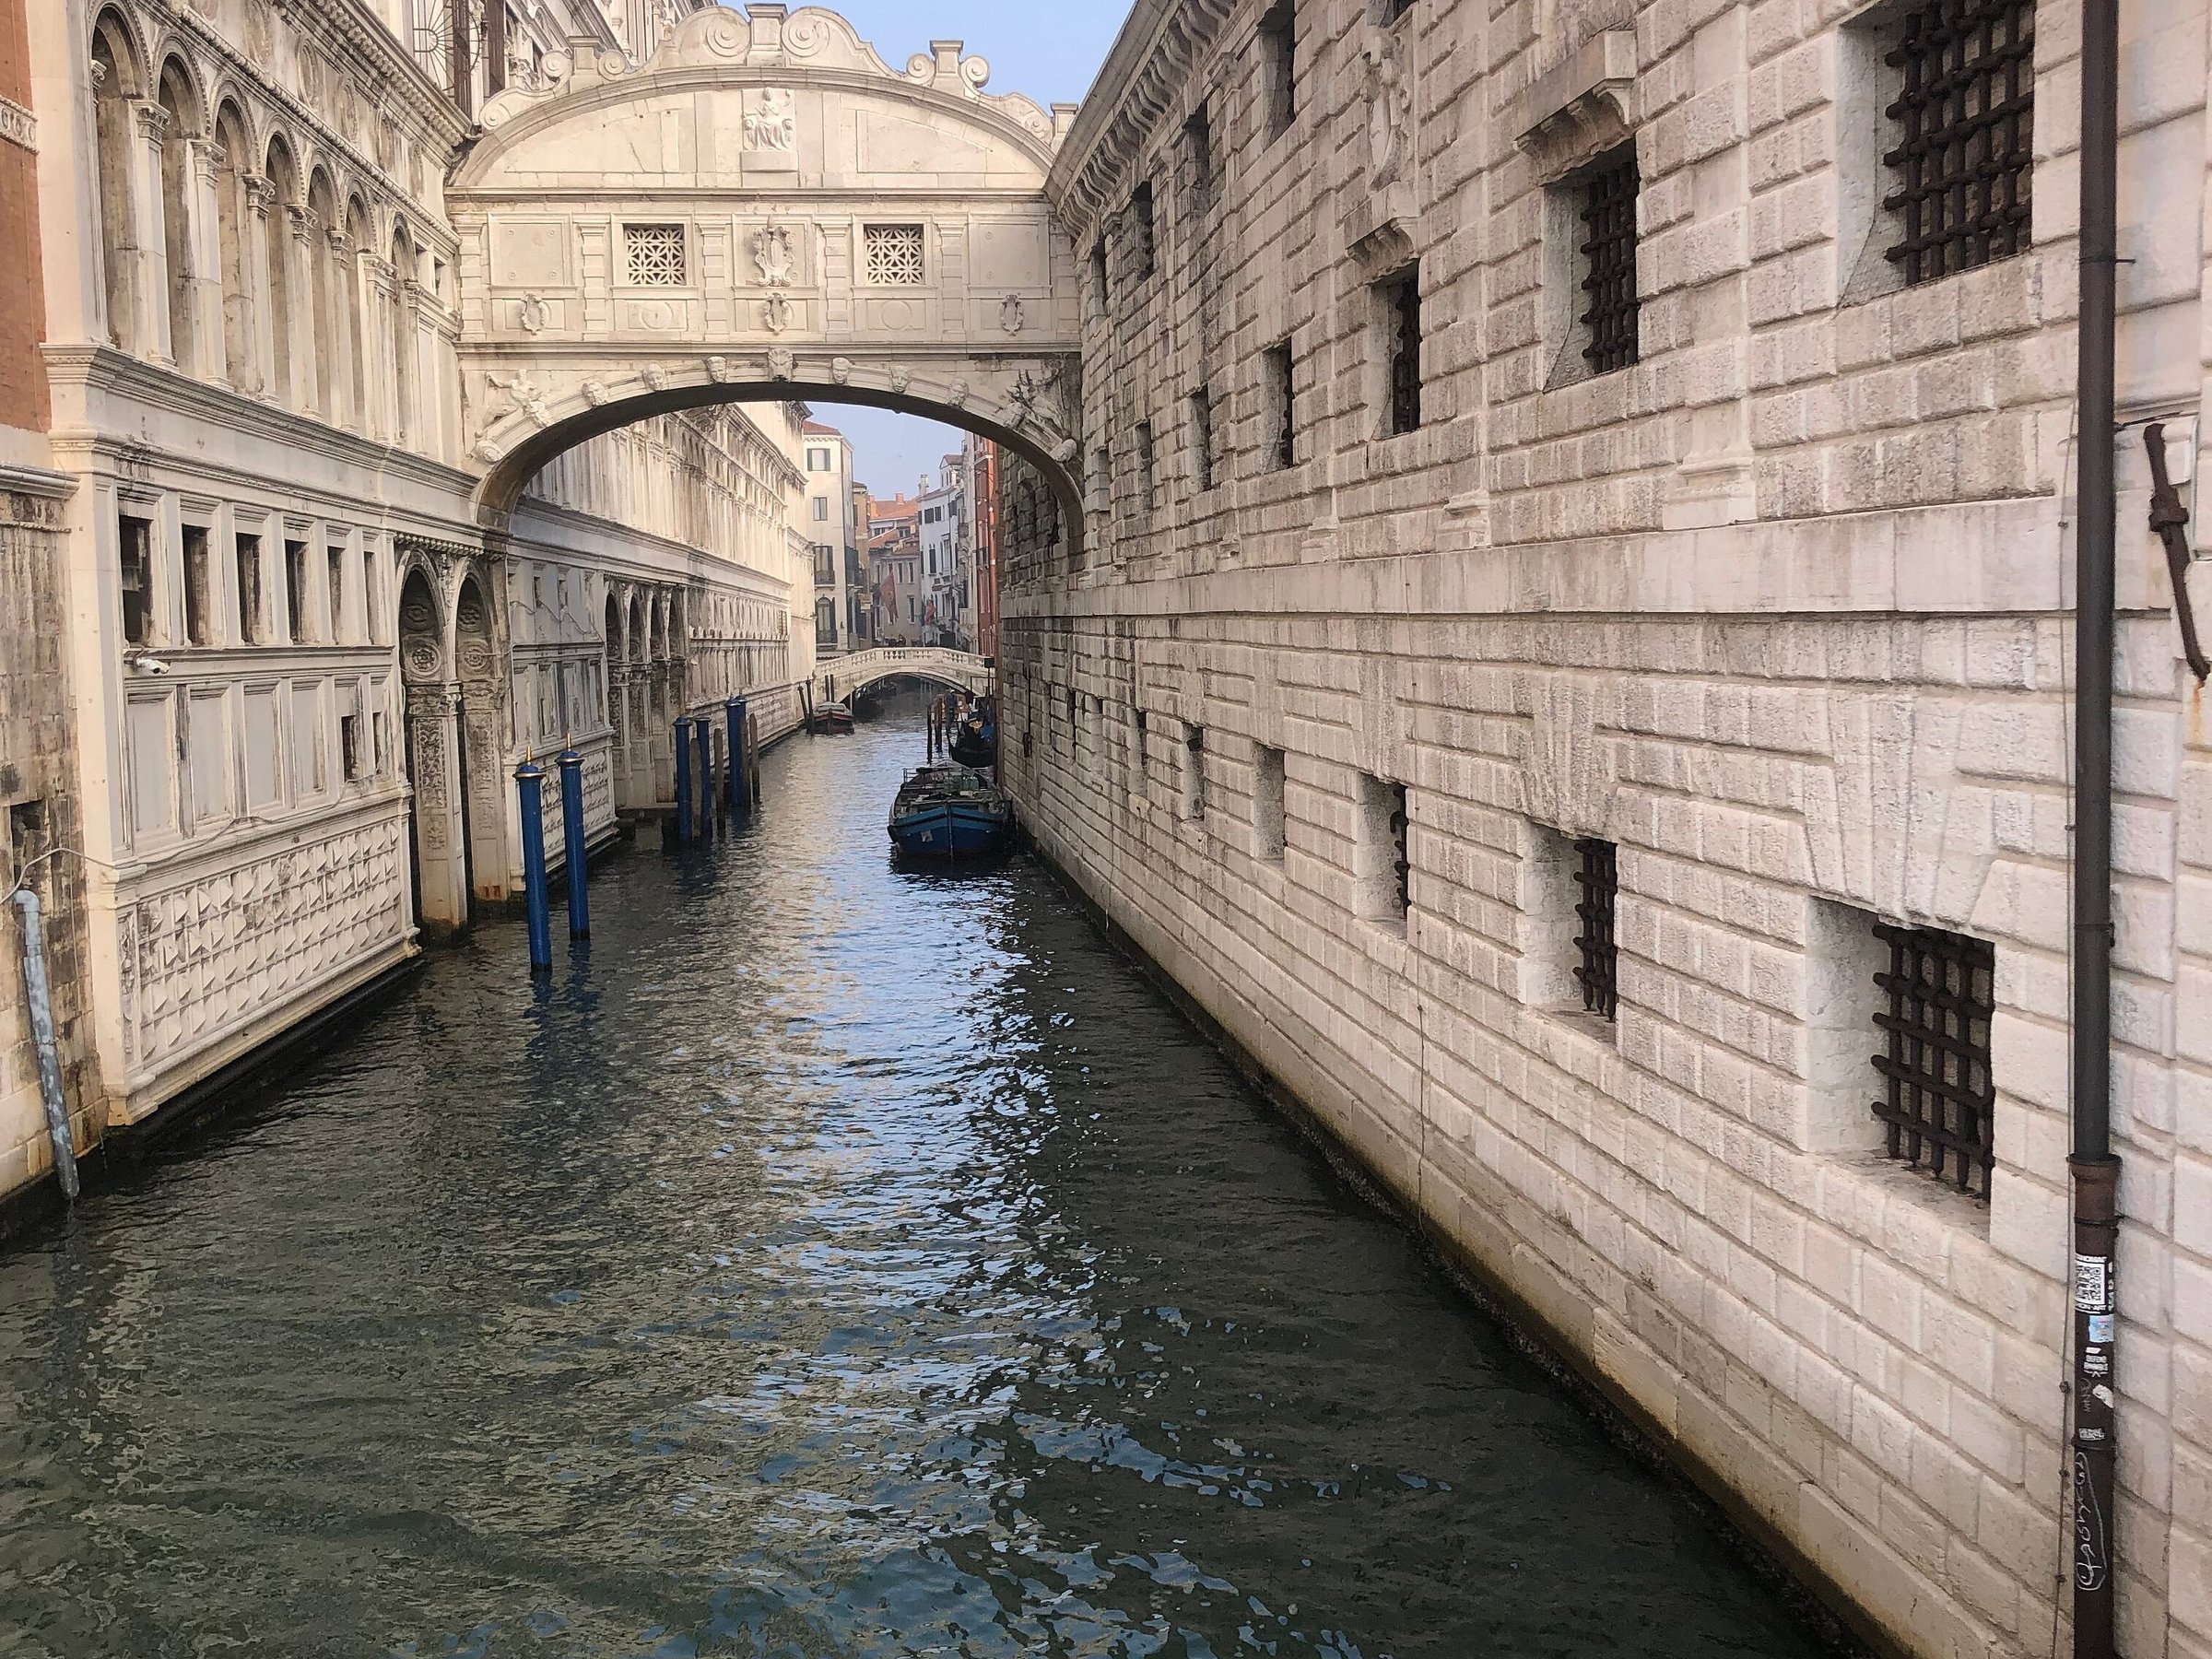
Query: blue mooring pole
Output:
(529,782)
(571,825)
(683,778)
(740,792)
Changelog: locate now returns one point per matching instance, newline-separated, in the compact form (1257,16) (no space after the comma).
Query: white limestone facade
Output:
(291,632)
(1769,613)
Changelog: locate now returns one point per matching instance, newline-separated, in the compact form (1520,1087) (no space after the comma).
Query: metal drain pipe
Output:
(2096,1171)
(39,996)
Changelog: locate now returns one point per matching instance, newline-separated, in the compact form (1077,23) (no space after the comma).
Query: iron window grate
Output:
(1144,227)
(1283,393)
(1401,846)
(1597,967)
(1938,1102)
(1608,250)
(1402,316)
(1966,153)
(1278,46)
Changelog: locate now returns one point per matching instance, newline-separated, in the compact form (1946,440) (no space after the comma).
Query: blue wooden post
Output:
(683,778)
(704,728)
(530,781)
(740,792)
(571,824)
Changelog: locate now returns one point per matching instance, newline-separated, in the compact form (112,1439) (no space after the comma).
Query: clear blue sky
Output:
(1050,52)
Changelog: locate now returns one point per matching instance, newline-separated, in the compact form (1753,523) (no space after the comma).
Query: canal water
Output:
(836,1261)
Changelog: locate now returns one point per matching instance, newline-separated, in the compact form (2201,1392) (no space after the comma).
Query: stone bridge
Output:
(763,210)
(842,676)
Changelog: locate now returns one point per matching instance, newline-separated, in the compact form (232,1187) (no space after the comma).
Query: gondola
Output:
(946,812)
(835,718)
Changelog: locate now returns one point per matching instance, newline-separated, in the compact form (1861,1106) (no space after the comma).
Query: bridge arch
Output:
(857,671)
(765,209)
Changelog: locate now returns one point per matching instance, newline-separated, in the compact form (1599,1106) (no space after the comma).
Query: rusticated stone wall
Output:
(1779,610)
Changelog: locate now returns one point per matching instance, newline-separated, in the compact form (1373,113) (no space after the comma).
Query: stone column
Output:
(149,260)
(413,379)
(382,382)
(334,247)
(306,355)
(441,861)
(203,178)
(261,197)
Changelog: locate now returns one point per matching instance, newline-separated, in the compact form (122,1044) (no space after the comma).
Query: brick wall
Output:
(23,393)
(1779,609)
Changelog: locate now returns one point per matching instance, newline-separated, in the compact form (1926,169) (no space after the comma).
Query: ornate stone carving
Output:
(841,370)
(524,392)
(781,364)
(772,255)
(775,315)
(1389,102)
(595,392)
(957,395)
(718,369)
(1009,315)
(1582,109)
(153,122)
(900,377)
(654,376)
(305,221)
(770,120)
(532,314)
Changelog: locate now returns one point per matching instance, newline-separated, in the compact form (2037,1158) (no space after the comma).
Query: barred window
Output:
(1147,473)
(1282,406)
(1202,438)
(1198,138)
(1596,968)
(1939,1103)
(1278,59)
(1965,128)
(1100,294)
(893,256)
(1383,862)
(655,255)
(1143,231)
(1400,300)
(1401,847)
(1607,212)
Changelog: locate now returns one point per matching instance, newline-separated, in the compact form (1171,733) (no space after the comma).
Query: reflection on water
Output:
(834,1262)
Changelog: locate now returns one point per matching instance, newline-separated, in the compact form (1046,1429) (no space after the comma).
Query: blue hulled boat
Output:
(948,812)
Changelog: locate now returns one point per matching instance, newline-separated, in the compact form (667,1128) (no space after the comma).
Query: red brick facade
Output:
(22,307)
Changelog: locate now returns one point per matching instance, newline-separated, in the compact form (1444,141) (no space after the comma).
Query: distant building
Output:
(948,606)
(834,538)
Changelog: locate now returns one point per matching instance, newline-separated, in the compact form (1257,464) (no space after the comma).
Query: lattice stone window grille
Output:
(1597,963)
(1608,213)
(1400,299)
(893,256)
(1965,121)
(654,256)
(1939,1103)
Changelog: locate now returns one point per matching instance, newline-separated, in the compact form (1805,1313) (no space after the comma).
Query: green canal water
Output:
(838,1261)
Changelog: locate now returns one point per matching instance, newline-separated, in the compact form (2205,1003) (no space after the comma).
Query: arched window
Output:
(321,278)
(233,213)
(400,329)
(284,195)
(349,295)
(114,86)
(181,125)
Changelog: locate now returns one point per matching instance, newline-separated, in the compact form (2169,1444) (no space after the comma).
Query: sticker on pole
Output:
(2093,1284)
(2100,1327)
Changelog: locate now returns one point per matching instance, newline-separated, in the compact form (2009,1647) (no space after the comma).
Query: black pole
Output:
(2096,1171)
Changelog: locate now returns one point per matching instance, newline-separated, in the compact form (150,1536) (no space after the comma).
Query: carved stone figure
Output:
(532,317)
(902,377)
(523,393)
(776,313)
(718,369)
(841,370)
(1389,104)
(770,122)
(957,395)
(781,364)
(595,392)
(654,376)
(772,255)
